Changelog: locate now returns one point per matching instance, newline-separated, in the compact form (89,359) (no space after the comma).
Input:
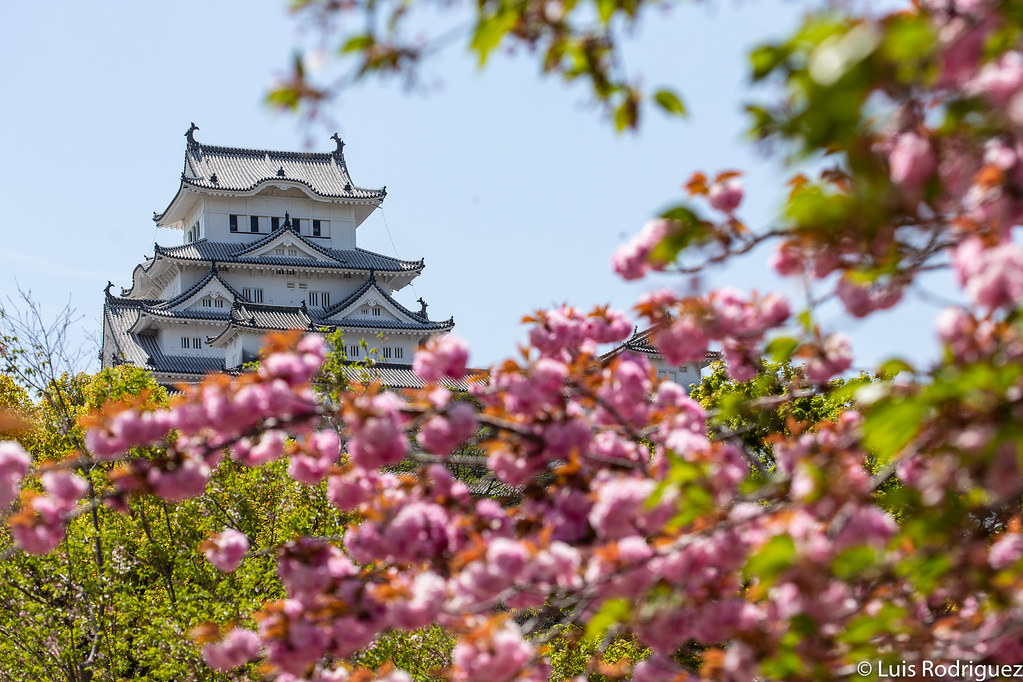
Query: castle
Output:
(269,243)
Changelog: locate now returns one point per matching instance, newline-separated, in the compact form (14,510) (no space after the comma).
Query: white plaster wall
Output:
(338,230)
(233,353)
(377,342)
(686,375)
(275,287)
(169,339)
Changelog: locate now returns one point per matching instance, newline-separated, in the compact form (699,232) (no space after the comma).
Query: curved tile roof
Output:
(397,376)
(418,321)
(195,288)
(243,170)
(339,259)
(640,342)
(143,350)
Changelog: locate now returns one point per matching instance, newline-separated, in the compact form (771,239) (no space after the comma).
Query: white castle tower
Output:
(269,244)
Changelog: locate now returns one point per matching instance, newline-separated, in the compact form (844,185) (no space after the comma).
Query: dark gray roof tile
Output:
(339,259)
(241,170)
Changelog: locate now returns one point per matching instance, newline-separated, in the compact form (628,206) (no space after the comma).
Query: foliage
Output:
(128,612)
(773,404)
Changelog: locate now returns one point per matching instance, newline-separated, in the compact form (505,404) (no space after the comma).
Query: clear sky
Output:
(513,188)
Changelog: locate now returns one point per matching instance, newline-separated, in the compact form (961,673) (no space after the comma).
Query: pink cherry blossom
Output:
(226,549)
(238,647)
(14,462)
(632,259)
(726,195)
(446,356)
(442,434)
(64,487)
(1007,550)
(992,277)
(39,527)
(835,358)
(498,657)
(912,161)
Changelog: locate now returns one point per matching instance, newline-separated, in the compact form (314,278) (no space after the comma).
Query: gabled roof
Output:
(334,315)
(211,276)
(143,350)
(243,171)
(271,317)
(402,376)
(262,317)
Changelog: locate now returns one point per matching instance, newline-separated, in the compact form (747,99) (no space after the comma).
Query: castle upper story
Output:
(236,196)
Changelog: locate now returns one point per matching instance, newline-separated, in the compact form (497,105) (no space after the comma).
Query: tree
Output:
(634,524)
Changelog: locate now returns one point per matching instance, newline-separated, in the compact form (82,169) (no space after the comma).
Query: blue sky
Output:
(513,188)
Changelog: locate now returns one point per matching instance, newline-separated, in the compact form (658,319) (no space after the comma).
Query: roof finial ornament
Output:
(110,285)
(422,311)
(191,132)
(340,143)
(280,172)
(287,220)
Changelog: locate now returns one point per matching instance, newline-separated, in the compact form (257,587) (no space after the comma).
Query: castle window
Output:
(297,223)
(253,223)
(219,303)
(254,295)
(291,285)
(376,311)
(316,228)
(279,251)
(293,252)
(398,352)
(184,342)
(387,353)
(196,342)
(303,285)
(319,298)
(275,223)
(207,303)
(353,351)
(234,222)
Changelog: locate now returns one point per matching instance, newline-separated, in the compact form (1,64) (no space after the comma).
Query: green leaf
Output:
(854,561)
(357,43)
(892,368)
(670,102)
(613,611)
(689,230)
(806,320)
(766,59)
(780,349)
(891,425)
(489,32)
(774,557)
(626,115)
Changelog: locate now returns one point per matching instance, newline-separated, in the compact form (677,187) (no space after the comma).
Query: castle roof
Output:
(143,350)
(337,313)
(233,170)
(640,343)
(337,259)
